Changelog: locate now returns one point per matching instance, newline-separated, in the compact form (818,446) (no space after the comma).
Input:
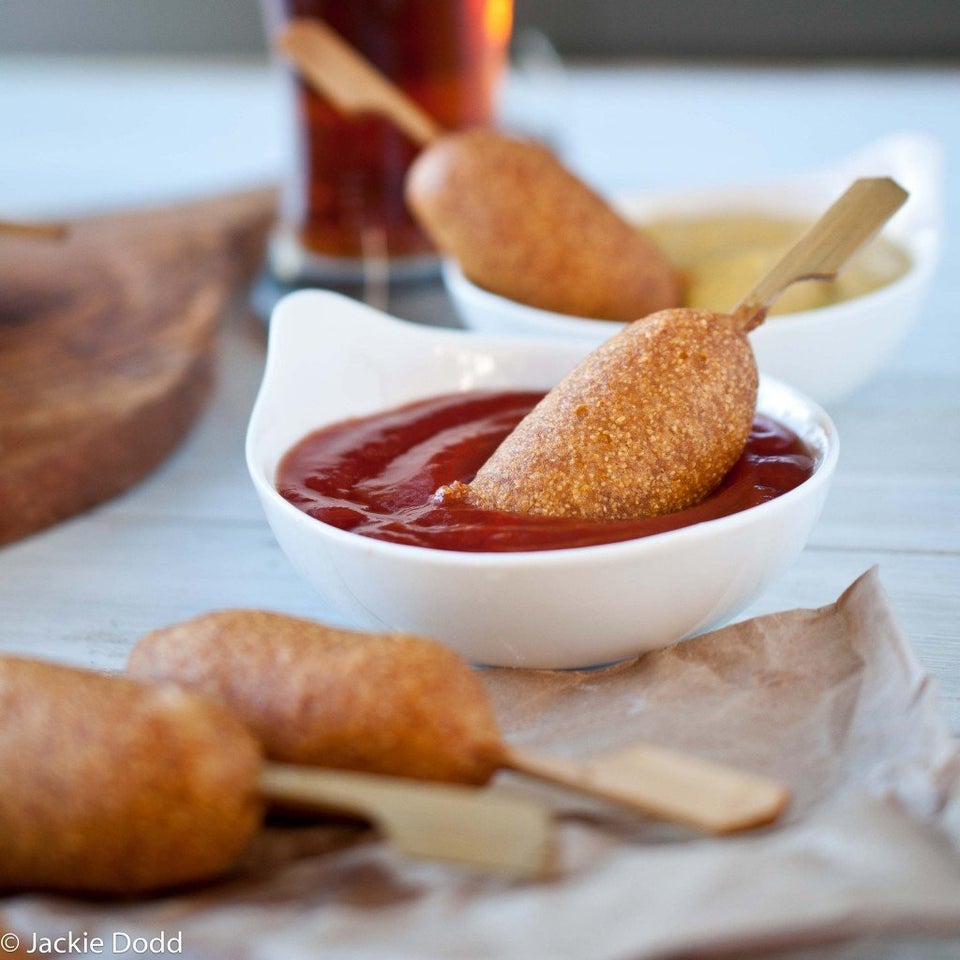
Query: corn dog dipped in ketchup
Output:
(651,421)
(518,222)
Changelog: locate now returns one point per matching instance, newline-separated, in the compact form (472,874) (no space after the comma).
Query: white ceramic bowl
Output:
(331,358)
(826,353)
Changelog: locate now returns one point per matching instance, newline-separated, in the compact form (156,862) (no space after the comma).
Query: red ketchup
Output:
(377,476)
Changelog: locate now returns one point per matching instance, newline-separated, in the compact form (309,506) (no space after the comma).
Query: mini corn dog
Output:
(389,704)
(406,706)
(519,223)
(114,786)
(648,423)
(524,227)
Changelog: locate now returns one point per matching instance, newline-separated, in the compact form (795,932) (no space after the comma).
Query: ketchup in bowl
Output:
(377,476)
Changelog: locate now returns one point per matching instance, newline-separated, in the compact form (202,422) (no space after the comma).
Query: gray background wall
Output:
(749,28)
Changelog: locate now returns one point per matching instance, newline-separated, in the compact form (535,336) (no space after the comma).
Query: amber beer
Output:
(344,201)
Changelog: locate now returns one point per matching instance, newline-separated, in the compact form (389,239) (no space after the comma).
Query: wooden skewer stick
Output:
(349,81)
(820,253)
(490,831)
(35,231)
(667,785)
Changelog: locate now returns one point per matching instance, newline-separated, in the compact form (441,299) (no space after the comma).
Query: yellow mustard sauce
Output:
(723,256)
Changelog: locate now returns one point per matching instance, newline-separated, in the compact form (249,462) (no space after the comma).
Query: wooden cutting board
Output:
(107,347)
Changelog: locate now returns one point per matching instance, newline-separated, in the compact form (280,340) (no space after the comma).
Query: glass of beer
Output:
(343,204)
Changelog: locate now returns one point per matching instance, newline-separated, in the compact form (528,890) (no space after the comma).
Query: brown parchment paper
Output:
(831,700)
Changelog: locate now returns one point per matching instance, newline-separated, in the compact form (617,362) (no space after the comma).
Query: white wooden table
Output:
(88,136)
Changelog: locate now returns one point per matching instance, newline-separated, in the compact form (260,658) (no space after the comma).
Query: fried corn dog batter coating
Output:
(392,704)
(523,227)
(649,423)
(113,786)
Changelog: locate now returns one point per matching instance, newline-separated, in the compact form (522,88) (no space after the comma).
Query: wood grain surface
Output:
(107,347)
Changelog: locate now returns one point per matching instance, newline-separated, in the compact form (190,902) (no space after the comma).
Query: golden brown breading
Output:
(113,786)
(647,424)
(382,703)
(522,226)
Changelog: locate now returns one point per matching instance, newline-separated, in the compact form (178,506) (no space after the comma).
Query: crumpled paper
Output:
(832,701)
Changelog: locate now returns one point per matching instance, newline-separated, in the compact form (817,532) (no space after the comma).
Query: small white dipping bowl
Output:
(331,358)
(827,352)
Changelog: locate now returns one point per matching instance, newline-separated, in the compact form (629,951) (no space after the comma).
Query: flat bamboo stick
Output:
(820,253)
(667,785)
(479,827)
(353,85)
